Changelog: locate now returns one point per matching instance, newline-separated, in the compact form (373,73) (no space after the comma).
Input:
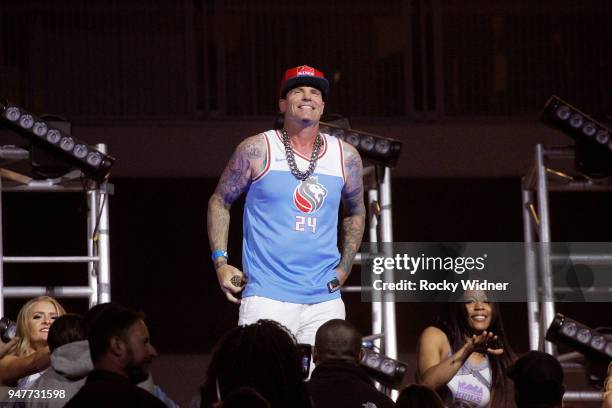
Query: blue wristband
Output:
(217,253)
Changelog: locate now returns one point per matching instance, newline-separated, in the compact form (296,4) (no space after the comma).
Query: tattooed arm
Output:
(247,161)
(353,222)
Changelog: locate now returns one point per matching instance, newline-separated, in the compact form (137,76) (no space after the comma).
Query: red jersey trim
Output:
(268,160)
(342,160)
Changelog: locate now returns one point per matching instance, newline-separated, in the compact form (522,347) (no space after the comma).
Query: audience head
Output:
(420,396)
(33,323)
(93,313)
(337,340)
(262,356)
(119,340)
(66,329)
(538,380)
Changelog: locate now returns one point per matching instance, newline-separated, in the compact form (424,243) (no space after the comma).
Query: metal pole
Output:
(373,234)
(388,305)
(1,256)
(530,271)
(55,291)
(582,396)
(104,284)
(49,259)
(92,275)
(390,340)
(548,306)
(589,259)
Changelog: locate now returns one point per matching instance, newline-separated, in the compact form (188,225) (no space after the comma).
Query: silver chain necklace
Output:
(316,148)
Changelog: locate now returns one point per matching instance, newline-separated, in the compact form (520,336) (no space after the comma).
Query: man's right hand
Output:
(231,280)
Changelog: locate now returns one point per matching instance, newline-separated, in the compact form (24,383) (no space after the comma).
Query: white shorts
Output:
(302,320)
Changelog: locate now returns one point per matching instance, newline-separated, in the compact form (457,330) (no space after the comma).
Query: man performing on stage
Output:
(295,179)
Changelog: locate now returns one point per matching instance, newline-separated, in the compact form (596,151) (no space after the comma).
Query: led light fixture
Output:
(87,158)
(580,337)
(575,123)
(383,369)
(375,148)
(593,144)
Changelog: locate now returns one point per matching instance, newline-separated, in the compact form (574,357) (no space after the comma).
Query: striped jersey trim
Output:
(268,160)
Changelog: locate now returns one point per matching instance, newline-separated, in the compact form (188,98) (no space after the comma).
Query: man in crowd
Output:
(121,352)
(338,379)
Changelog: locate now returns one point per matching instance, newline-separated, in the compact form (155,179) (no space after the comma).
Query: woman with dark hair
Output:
(464,356)
(262,356)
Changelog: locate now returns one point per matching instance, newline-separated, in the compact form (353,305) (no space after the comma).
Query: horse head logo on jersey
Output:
(309,195)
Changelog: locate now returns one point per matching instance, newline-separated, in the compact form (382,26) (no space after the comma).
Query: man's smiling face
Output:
(303,104)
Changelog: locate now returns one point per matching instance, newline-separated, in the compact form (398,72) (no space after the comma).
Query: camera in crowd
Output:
(8,329)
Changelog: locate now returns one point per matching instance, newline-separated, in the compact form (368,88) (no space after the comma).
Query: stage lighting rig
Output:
(57,142)
(593,139)
(580,337)
(376,148)
(385,370)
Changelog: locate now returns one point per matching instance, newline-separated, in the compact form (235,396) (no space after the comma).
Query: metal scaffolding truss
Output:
(98,254)
(541,179)
(377,181)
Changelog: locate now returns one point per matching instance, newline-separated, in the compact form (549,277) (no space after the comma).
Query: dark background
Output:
(172,86)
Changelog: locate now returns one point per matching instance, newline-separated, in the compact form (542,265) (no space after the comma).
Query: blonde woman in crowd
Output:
(30,356)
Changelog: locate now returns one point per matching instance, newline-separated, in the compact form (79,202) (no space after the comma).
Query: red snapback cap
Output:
(303,76)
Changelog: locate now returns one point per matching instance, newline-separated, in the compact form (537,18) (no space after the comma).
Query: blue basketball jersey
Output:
(290,226)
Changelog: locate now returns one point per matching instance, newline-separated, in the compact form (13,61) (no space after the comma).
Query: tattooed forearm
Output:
(353,223)
(218,221)
(236,177)
(352,232)
(352,195)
